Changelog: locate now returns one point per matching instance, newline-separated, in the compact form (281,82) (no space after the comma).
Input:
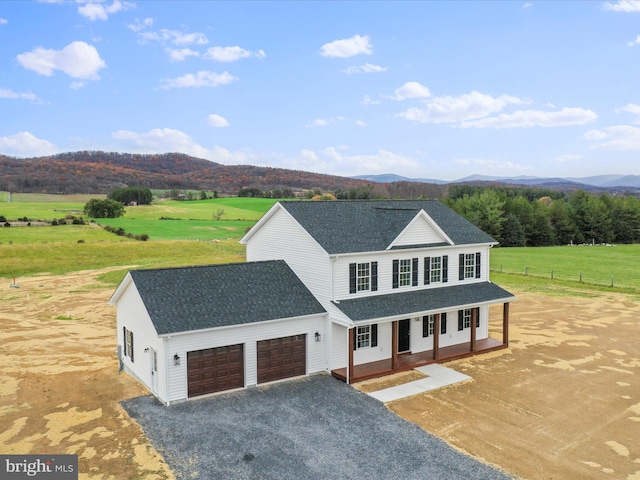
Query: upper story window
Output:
(405,272)
(436,269)
(363,277)
(469,265)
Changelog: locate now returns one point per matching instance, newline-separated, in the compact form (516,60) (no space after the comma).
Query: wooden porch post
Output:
(436,337)
(394,345)
(505,323)
(350,366)
(474,317)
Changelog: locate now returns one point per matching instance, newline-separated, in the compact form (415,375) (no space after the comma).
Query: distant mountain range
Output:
(102,172)
(619,182)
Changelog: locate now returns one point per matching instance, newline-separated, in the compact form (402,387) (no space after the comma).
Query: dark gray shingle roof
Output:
(194,298)
(371,225)
(415,301)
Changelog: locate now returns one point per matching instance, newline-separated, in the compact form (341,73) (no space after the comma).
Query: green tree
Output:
(126,195)
(108,208)
(486,210)
(513,234)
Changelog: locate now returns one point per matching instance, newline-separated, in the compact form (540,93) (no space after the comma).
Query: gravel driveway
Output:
(314,428)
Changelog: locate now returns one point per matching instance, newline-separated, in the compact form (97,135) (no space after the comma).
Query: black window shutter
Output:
(478,264)
(477,317)
(124,336)
(460,320)
(443,323)
(425,326)
(427,270)
(461,267)
(355,338)
(132,349)
(374,276)
(374,335)
(396,268)
(352,278)
(445,268)
(414,272)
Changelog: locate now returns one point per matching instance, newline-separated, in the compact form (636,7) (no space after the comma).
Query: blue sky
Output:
(421,89)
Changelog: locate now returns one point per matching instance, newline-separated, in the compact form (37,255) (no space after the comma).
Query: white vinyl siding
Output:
(282,238)
(379,352)
(132,315)
(248,335)
(340,347)
(419,232)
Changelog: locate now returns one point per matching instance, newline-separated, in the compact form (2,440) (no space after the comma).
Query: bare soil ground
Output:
(59,383)
(562,402)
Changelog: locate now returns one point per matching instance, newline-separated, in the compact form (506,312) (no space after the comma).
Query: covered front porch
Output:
(399,362)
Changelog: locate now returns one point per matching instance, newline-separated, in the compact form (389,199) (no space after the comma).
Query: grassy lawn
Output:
(595,265)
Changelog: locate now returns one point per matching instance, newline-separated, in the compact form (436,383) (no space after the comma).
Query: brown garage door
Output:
(281,358)
(215,370)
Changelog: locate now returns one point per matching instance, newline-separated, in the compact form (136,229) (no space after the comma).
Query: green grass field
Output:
(593,265)
(187,240)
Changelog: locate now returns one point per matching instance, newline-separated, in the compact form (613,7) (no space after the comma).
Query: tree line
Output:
(534,217)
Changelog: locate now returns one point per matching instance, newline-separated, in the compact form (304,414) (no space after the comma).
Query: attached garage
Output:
(283,357)
(215,370)
(216,328)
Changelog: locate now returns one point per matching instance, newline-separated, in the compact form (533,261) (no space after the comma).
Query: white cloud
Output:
(630,108)
(76,85)
(623,6)
(3,21)
(347,47)
(411,90)
(6,93)
(162,140)
(491,165)
(535,118)
(360,123)
(231,54)
(619,137)
(366,68)
(325,122)
(215,120)
(138,26)
(179,54)
(333,160)
(200,79)
(634,42)
(569,157)
(99,11)
(366,100)
(466,107)
(174,37)
(78,60)
(527,5)
(25,144)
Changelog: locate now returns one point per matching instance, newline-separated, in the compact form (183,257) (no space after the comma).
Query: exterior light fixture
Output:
(318,336)
(176,359)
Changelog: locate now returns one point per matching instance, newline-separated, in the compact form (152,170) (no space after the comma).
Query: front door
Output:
(404,332)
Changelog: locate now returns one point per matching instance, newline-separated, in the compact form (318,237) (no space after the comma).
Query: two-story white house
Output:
(358,289)
(405,283)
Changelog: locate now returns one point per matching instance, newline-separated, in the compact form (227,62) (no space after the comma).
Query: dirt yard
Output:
(562,402)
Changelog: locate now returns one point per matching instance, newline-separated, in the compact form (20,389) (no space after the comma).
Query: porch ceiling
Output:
(423,300)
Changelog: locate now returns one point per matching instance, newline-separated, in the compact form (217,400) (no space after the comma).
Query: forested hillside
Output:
(101,172)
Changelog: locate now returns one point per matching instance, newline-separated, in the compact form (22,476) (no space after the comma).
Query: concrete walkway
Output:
(437,376)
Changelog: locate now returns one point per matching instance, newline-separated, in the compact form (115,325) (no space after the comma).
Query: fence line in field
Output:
(555,274)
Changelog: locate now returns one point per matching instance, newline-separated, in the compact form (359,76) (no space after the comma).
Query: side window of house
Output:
(365,336)
(469,265)
(128,343)
(363,277)
(436,269)
(405,272)
(464,318)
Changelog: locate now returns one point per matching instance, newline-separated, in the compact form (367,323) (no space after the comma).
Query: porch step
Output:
(437,377)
